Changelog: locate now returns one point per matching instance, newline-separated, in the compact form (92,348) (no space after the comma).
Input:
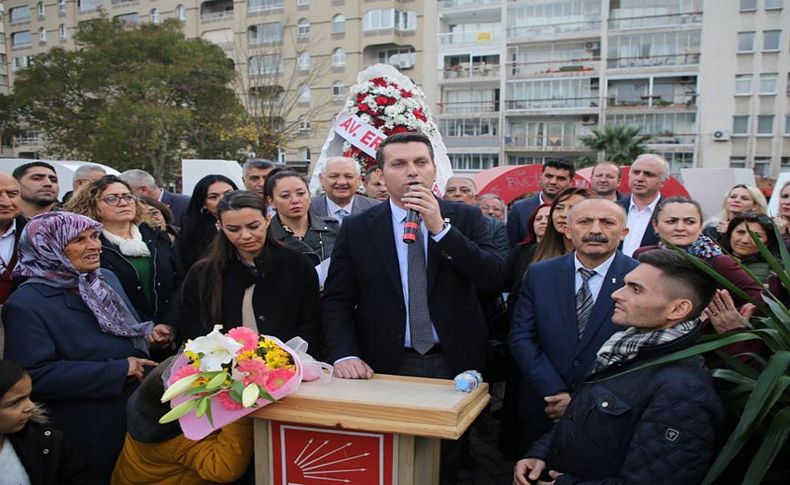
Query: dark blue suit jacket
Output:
(518,218)
(178,204)
(544,339)
(363,308)
(650,238)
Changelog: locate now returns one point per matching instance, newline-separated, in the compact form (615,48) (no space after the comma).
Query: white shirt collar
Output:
(332,208)
(398,213)
(651,206)
(11,231)
(600,270)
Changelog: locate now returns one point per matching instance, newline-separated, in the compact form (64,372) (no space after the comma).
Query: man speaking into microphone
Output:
(411,308)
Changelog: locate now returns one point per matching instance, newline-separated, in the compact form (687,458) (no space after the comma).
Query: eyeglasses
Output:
(154,212)
(114,199)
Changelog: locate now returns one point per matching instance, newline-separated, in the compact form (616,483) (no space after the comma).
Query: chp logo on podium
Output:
(304,455)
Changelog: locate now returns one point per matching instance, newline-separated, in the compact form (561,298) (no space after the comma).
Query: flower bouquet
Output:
(383,102)
(221,378)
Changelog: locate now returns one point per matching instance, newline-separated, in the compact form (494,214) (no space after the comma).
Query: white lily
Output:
(217,349)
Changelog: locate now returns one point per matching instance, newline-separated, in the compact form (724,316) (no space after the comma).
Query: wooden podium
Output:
(384,431)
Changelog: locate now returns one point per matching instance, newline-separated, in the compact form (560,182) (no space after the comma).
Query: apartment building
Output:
(520,80)
(312,47)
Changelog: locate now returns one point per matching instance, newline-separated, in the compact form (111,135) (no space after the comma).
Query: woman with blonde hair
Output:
(740,198)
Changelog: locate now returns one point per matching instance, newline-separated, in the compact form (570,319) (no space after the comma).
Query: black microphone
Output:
(412,224)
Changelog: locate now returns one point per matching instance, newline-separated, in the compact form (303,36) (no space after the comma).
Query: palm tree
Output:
(620,144)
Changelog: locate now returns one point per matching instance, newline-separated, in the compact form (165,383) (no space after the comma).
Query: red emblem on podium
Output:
(305,455)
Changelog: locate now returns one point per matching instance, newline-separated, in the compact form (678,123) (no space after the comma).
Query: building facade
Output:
(306,51)
(521,80)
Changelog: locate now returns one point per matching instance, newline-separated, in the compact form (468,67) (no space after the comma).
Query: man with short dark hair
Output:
(254,172)
(604,180)
(340,178)
(375,188)
(563,314)
(555,177)
(143,184)
(38,183)
(629,425)
(645,179)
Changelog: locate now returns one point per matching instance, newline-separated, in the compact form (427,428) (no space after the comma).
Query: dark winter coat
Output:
(285,299)
(657,425)
(166,272)
(47,458)
(317,243)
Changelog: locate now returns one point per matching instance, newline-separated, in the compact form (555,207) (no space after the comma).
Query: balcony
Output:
(650,21)
(592,27)
(124,3)
(216,11)
(688,59)
(445,5)
(472,141)
(466,38)
(553,144)
(681,102)
(565,68)
(581,103)
(466,72)
(471,107)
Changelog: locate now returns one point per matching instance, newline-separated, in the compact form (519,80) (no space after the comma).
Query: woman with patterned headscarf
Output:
(74,331)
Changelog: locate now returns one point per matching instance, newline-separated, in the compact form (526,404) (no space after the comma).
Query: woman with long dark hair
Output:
(200,220)
(555,242)
(281,285)
(738,242)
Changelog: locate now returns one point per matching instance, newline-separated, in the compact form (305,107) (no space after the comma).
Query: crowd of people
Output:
(580,286)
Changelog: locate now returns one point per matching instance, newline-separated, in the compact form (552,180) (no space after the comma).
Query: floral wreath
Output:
(384,104)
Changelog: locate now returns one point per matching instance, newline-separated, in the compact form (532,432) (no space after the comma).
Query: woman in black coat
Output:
(200,220)
(142,257)
(285,297)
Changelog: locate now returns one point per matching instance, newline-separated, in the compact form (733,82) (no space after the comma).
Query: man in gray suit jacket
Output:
(340,179)
(144,185)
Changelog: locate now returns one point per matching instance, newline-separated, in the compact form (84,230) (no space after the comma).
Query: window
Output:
(787,125)
(302,3)
(762,166)
(88,5)
(40,10)
(304,61)
(62,6)
(62,33)
(773,4)
(304,93)
(765,125)
(263,5)
(131,18)
(264,65)
(771,40)
(270,33)
(21,39)
(304,153)
(181,13)
(21,62)
(338,90)
(339,57)
(768,83)
(339,24)
(304,124)
(737,162)
(740,125)
(19,14)
(155,16)
(748,5)
(42,35)
(745,41)
(402,57)
(743,84)
(388,18)
(303,28)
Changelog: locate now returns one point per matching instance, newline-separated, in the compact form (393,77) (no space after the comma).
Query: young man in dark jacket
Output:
(655,425)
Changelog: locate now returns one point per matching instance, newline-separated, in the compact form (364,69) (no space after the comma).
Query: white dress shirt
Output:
(332,209)
(7,243)
(638,222)
(596,280)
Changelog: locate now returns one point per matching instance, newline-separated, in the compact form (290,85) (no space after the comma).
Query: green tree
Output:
(619,144)
(134,97)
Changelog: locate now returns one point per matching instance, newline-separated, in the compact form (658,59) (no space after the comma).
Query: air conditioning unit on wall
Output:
(592,46)
(721,135)
(588,120)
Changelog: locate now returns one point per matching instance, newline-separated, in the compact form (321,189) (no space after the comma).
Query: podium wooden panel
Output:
(388,427)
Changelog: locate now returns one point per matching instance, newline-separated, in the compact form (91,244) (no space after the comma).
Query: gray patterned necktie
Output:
(419,315)
(340,215)
(584,301)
